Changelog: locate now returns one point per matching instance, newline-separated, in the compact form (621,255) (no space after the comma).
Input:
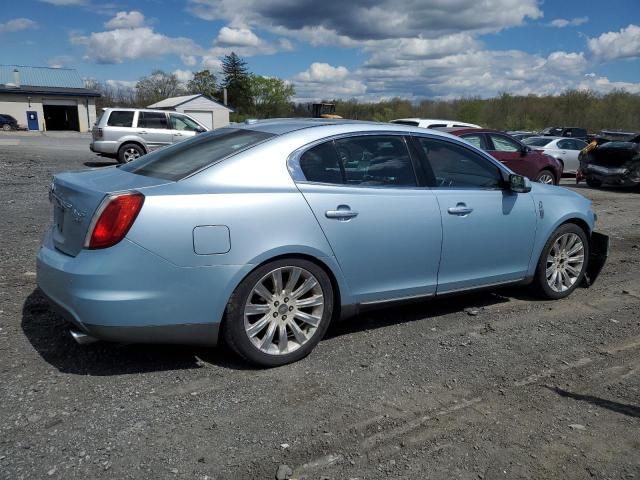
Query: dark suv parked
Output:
(573,132)
(7,122)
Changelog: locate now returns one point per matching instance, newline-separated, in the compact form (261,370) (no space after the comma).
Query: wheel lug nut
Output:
(275,314)
(286,300)
(276,303)
(284,317)
(291,309)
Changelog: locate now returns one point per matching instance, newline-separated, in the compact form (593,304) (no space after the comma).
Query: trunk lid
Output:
(75,197)
(614,154)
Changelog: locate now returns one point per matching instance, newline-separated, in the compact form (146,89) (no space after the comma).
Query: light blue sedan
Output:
(264,233)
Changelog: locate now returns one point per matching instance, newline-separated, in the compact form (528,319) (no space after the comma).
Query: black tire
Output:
(127,150)
(594,182)
(233,328)
(547,174)
(540,280)
(6,127)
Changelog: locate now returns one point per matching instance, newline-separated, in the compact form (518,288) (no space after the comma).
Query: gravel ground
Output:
(483,386)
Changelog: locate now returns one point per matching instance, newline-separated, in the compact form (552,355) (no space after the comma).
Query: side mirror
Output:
(519,183)
(200,130)
(525,149)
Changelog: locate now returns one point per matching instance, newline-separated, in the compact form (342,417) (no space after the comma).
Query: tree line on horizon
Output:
(256,96)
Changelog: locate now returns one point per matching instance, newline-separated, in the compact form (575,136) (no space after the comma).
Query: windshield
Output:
(537,141)
(182,159)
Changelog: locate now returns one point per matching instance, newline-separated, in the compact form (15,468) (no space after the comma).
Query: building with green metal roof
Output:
(43,98)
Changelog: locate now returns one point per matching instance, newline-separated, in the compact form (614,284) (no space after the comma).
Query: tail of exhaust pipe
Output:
(82,338)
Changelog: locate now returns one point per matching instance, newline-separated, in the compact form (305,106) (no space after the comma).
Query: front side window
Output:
(120,118)
(504,144)
(152,120)
(180,122)
(457,167)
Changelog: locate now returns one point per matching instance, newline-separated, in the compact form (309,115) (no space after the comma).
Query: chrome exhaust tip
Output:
(82,338)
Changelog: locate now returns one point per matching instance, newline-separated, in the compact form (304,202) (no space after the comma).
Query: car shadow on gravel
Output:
(623,408)
(471,303)
(49,335)
(104,163)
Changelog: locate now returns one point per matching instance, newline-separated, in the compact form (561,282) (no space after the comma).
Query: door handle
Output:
(143,132)
(178,135)
(340,214)
(460,209)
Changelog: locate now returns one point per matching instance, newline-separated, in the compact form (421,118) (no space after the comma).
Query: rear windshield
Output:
(182,159)
(537,141)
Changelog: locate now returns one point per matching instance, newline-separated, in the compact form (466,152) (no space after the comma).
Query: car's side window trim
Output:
(427,166)
(295,170)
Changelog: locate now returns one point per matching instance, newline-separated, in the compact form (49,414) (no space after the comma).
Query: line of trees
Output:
(255,96)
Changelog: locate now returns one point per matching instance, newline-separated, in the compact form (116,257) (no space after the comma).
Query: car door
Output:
(571,148)
(182,127)
(510,152)
(487,230)
(154,129)
(384,229)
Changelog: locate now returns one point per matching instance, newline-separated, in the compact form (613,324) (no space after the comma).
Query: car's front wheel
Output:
(279,312)
(563,262)
(545,176)
(6,127)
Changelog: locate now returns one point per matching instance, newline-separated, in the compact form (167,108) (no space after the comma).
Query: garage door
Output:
(205,118)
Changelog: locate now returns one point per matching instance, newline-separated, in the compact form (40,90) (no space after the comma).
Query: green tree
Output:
(157,86)
(237,81)
(203,82)
(270,96)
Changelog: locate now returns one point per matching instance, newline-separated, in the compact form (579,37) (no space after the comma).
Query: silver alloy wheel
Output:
(6,127)
(283,310)
(130,154)
(546,178)
(564,262)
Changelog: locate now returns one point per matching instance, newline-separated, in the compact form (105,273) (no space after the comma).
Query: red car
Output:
(516,155)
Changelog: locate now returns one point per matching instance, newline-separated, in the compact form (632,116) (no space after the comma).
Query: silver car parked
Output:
(566,150)
(129,133)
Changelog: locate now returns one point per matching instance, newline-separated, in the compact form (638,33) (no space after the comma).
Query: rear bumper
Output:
(104,147)
(127,294)
(611,176)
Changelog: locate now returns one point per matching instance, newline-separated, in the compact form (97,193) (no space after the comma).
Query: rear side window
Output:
(406,122)
(437,125)
(181,159)
(504,144)
(369,160)
(119,118)
(457,167)
(152,120)
(476,140)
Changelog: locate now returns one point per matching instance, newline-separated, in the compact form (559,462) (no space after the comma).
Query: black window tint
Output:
(476,139)
(373,160)
(120,118)
(406,122)
(437,125)
(457,167)
(504,144)
(320,164)
(152,120)
(566,144)
(181,159)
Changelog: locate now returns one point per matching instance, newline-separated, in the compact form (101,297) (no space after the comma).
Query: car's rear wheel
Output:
(563,262)
(279,312)
(593,182)
(6,127)
(545,176)
(129,152)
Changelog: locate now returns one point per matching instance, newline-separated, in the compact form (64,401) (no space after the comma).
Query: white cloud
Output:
(566,62)
(615,45)
(183,76)
(61,61)
(132,19)
(116,46)
(121,84)
(212,62)
(562,22)
(604,85)
(189,60)
(324,81)
(17,24)
(237,37)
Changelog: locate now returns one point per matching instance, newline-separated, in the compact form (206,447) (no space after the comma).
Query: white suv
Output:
(128,133)
(433,123)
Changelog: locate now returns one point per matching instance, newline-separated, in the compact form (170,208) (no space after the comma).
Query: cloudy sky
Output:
(367,49)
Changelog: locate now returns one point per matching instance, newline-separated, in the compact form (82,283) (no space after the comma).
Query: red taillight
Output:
(99,133)
(114,219)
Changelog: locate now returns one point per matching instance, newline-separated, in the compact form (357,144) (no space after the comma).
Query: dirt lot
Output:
(517,389)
